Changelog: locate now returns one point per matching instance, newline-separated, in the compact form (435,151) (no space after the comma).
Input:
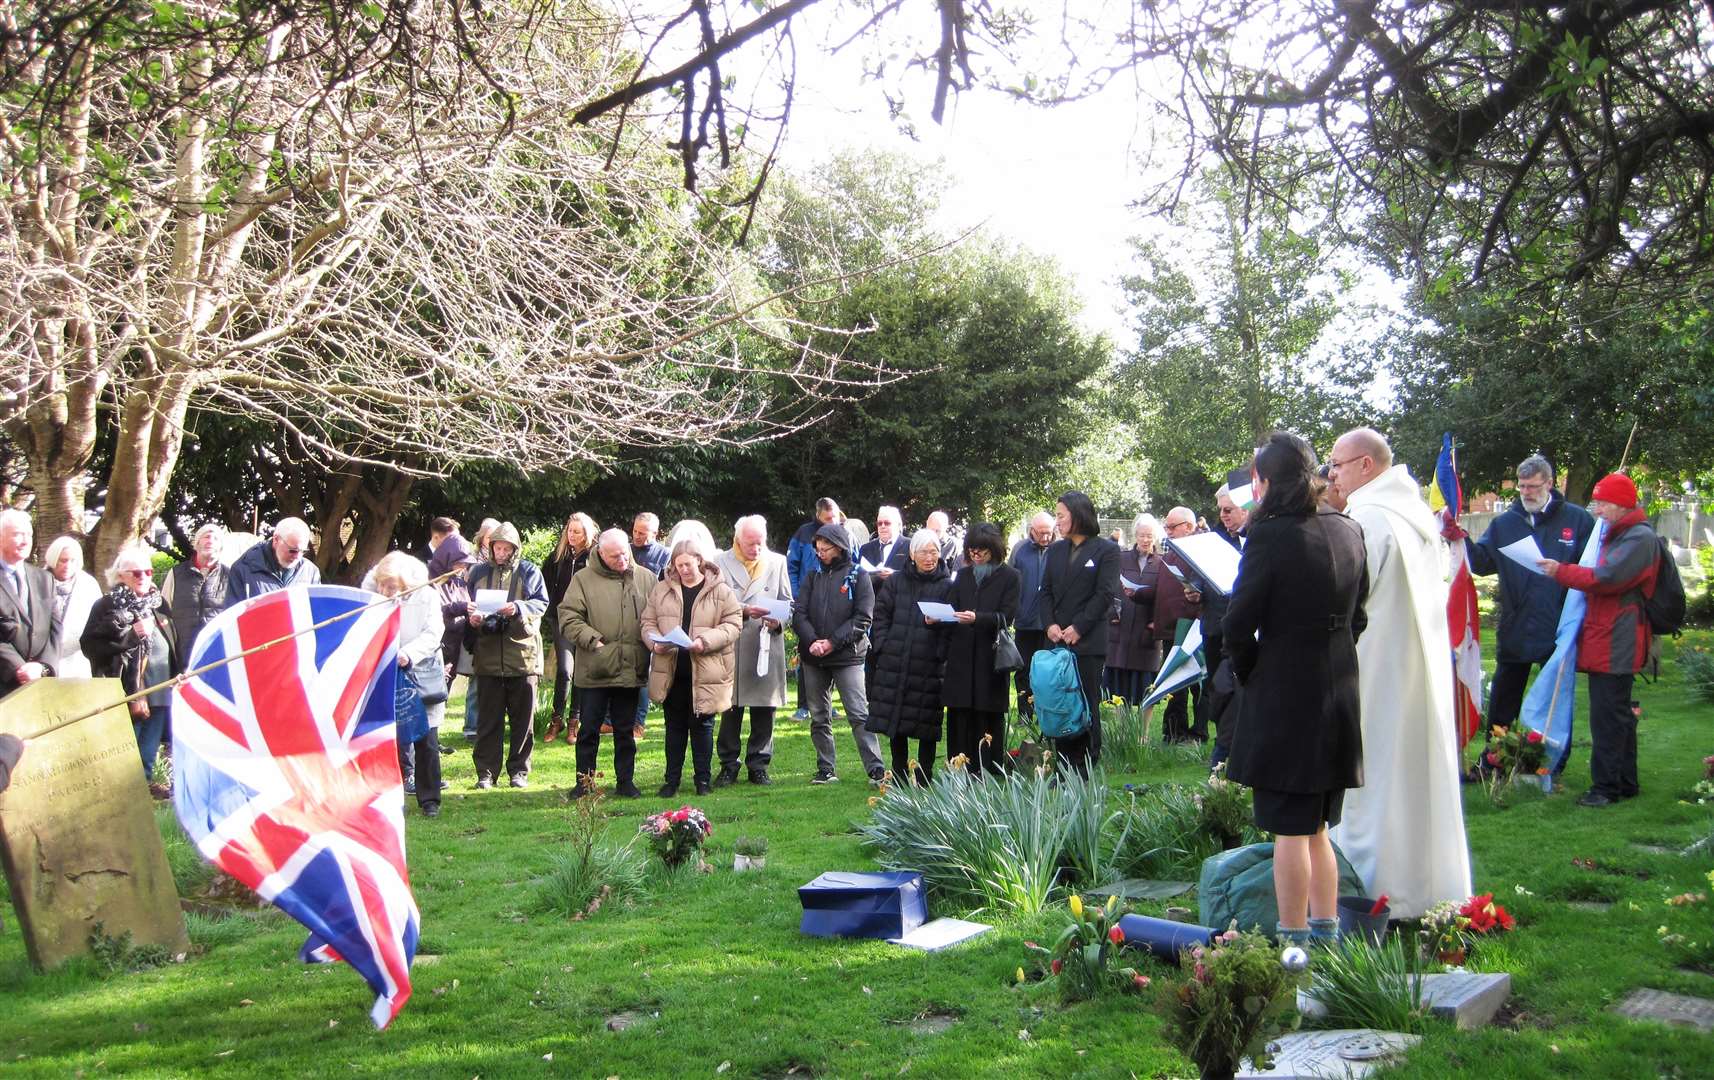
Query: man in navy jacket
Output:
(1529,602)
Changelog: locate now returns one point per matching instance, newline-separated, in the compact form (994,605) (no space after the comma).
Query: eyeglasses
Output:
(292,551)
(1171,525)
(1331,465)
(142,573)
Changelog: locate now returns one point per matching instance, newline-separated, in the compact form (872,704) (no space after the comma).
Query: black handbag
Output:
(428,678)
(1006,654)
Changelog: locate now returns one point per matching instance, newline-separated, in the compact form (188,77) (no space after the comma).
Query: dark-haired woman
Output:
(1078,588)
(571,554)
(985,597)
(1291,632)
(910,656)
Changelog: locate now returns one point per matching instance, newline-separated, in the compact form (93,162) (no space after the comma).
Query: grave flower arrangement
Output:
(1483,916)
(1445,934)
(1223,808)
(1693,947)
(1236,995)
(1516,751)
(1084,957)
(677,835)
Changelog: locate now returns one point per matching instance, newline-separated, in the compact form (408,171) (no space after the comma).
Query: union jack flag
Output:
(287,775)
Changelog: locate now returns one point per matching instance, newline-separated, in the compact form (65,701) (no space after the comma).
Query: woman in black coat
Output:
(127,638)
(910,653)
(985,596)
(1291,633)
(571,554)
(1078,588)
(1133,654)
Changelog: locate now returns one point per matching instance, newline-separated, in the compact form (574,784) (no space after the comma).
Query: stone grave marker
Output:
(78,838)
(1142,889)
(1679,1010)
(1469,999)
(1339,1054)
(1598,907)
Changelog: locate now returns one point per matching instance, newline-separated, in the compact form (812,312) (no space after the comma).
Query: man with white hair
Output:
(601,615)
(29,634)
(194,591)
(1403,830)
(279,562)
(888,548)
(755,574)
(1029,559)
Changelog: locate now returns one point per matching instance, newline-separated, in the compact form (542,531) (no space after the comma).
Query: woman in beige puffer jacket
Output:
(692,682)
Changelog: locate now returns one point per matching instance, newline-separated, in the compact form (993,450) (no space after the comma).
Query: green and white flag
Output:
(1183,664)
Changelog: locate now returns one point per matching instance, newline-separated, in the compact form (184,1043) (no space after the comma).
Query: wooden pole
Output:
(1626,456)
(253,650)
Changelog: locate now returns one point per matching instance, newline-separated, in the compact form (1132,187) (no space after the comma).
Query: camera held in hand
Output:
(493,623)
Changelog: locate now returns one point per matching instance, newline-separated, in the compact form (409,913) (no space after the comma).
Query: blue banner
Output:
(1547,706)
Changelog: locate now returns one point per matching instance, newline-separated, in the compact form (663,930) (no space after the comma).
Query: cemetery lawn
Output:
(716,980)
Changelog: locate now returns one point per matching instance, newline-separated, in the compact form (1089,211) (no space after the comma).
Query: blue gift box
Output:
(872,905)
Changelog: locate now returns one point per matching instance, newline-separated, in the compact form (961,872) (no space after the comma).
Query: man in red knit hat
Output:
(1614,642)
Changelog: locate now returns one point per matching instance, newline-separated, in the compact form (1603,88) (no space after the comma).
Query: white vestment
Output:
(1403,830)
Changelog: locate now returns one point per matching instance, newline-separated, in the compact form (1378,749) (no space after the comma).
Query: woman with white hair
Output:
(1133,654)
(75,593)
(126,638)
(422,678)
(910,660)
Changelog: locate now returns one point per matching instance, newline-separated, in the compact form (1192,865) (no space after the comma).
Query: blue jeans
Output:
(148,730)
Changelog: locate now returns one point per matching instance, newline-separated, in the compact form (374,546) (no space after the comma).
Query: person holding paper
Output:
(507,659)
(1613,643)
(1078,587)
(692,682)
(1404,829)
(1177,598)
(831,616)
(887,553)
(909,653)
(1530,602)
(602,616)
(571,554)
(756,575)
(1133,654)
(1291,632)
(985,595)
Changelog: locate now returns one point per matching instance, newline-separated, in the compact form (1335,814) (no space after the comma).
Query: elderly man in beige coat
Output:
(755,574)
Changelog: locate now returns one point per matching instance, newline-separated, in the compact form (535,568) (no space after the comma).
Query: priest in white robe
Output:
(1403,830)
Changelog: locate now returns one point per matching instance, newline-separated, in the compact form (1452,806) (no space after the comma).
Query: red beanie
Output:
(1618,489)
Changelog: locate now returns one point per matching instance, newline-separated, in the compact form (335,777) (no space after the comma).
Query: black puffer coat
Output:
(904,690)
(971,681)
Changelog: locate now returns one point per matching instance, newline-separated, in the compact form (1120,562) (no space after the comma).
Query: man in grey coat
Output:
(755,574)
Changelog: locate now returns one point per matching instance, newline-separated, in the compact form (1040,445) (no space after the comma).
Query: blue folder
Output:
(871,905)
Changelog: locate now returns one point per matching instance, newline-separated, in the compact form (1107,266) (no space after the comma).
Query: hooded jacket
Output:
(1530,602)
(516,649)
(836,602)
(452,554)
(257,571)
(1615,635)
(718,620)
(602,618)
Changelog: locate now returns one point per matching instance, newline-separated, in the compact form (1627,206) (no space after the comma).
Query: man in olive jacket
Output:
(601,616)
(507,659)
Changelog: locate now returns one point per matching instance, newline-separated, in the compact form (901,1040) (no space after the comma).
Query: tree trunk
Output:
(374,533)
(151,434)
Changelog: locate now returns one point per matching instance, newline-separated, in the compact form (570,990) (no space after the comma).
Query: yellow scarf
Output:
(754,569)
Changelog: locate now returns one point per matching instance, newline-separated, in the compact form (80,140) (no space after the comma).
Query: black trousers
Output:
(684,725)
(1613,736)
(758,750)
(1080,752)
(1213,651)
(1176,721)
(902,774)
(1506,692)
(1029,642)
(501,698)
(616,705)
(964,731)
(426,754)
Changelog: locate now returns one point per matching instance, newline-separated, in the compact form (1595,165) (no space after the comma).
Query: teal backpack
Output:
(1061,710)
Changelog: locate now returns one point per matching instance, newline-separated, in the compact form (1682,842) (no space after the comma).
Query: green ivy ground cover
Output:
(716,981)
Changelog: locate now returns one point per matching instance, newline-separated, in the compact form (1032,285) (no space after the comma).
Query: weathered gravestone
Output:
(77,827)
(1468,998)
(1341,1054)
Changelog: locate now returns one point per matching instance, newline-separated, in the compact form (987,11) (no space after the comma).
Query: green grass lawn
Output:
(725,985)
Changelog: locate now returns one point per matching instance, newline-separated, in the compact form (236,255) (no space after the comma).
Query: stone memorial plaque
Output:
(1340,1054)
(1679,1010)
(1469,999)
(1142,889)
(78,838)
(1598,907)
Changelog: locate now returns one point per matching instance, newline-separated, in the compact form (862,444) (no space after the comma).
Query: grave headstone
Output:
(1469,999)
(1598,907)
(78,838)
(1679,1010)
(1142,889)
(1339,1054)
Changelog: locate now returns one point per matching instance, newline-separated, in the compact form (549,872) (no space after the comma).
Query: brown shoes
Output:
(556,725)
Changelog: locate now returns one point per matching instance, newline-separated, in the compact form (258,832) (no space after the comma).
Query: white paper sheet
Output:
(1525,552)
(940,934)
(1214,560)
(1127,583)
(488,601)
(934,610)
(869,567)
(763,653)
(676,636)
(778,610)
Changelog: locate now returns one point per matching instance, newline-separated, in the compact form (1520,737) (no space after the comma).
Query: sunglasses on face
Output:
(142,573)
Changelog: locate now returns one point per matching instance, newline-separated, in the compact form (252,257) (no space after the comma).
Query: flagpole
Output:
(181,677)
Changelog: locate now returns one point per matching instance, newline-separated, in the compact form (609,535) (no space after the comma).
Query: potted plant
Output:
(677,835)
(1031,752)
(1083,958)
(1236,995)
(749,853)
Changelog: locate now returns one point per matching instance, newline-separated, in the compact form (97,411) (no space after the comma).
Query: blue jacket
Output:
(653,558)
(1029,561)
(257,571)
(800,554)
(1530,602)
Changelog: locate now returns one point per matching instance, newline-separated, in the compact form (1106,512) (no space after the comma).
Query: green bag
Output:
(1239,884)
